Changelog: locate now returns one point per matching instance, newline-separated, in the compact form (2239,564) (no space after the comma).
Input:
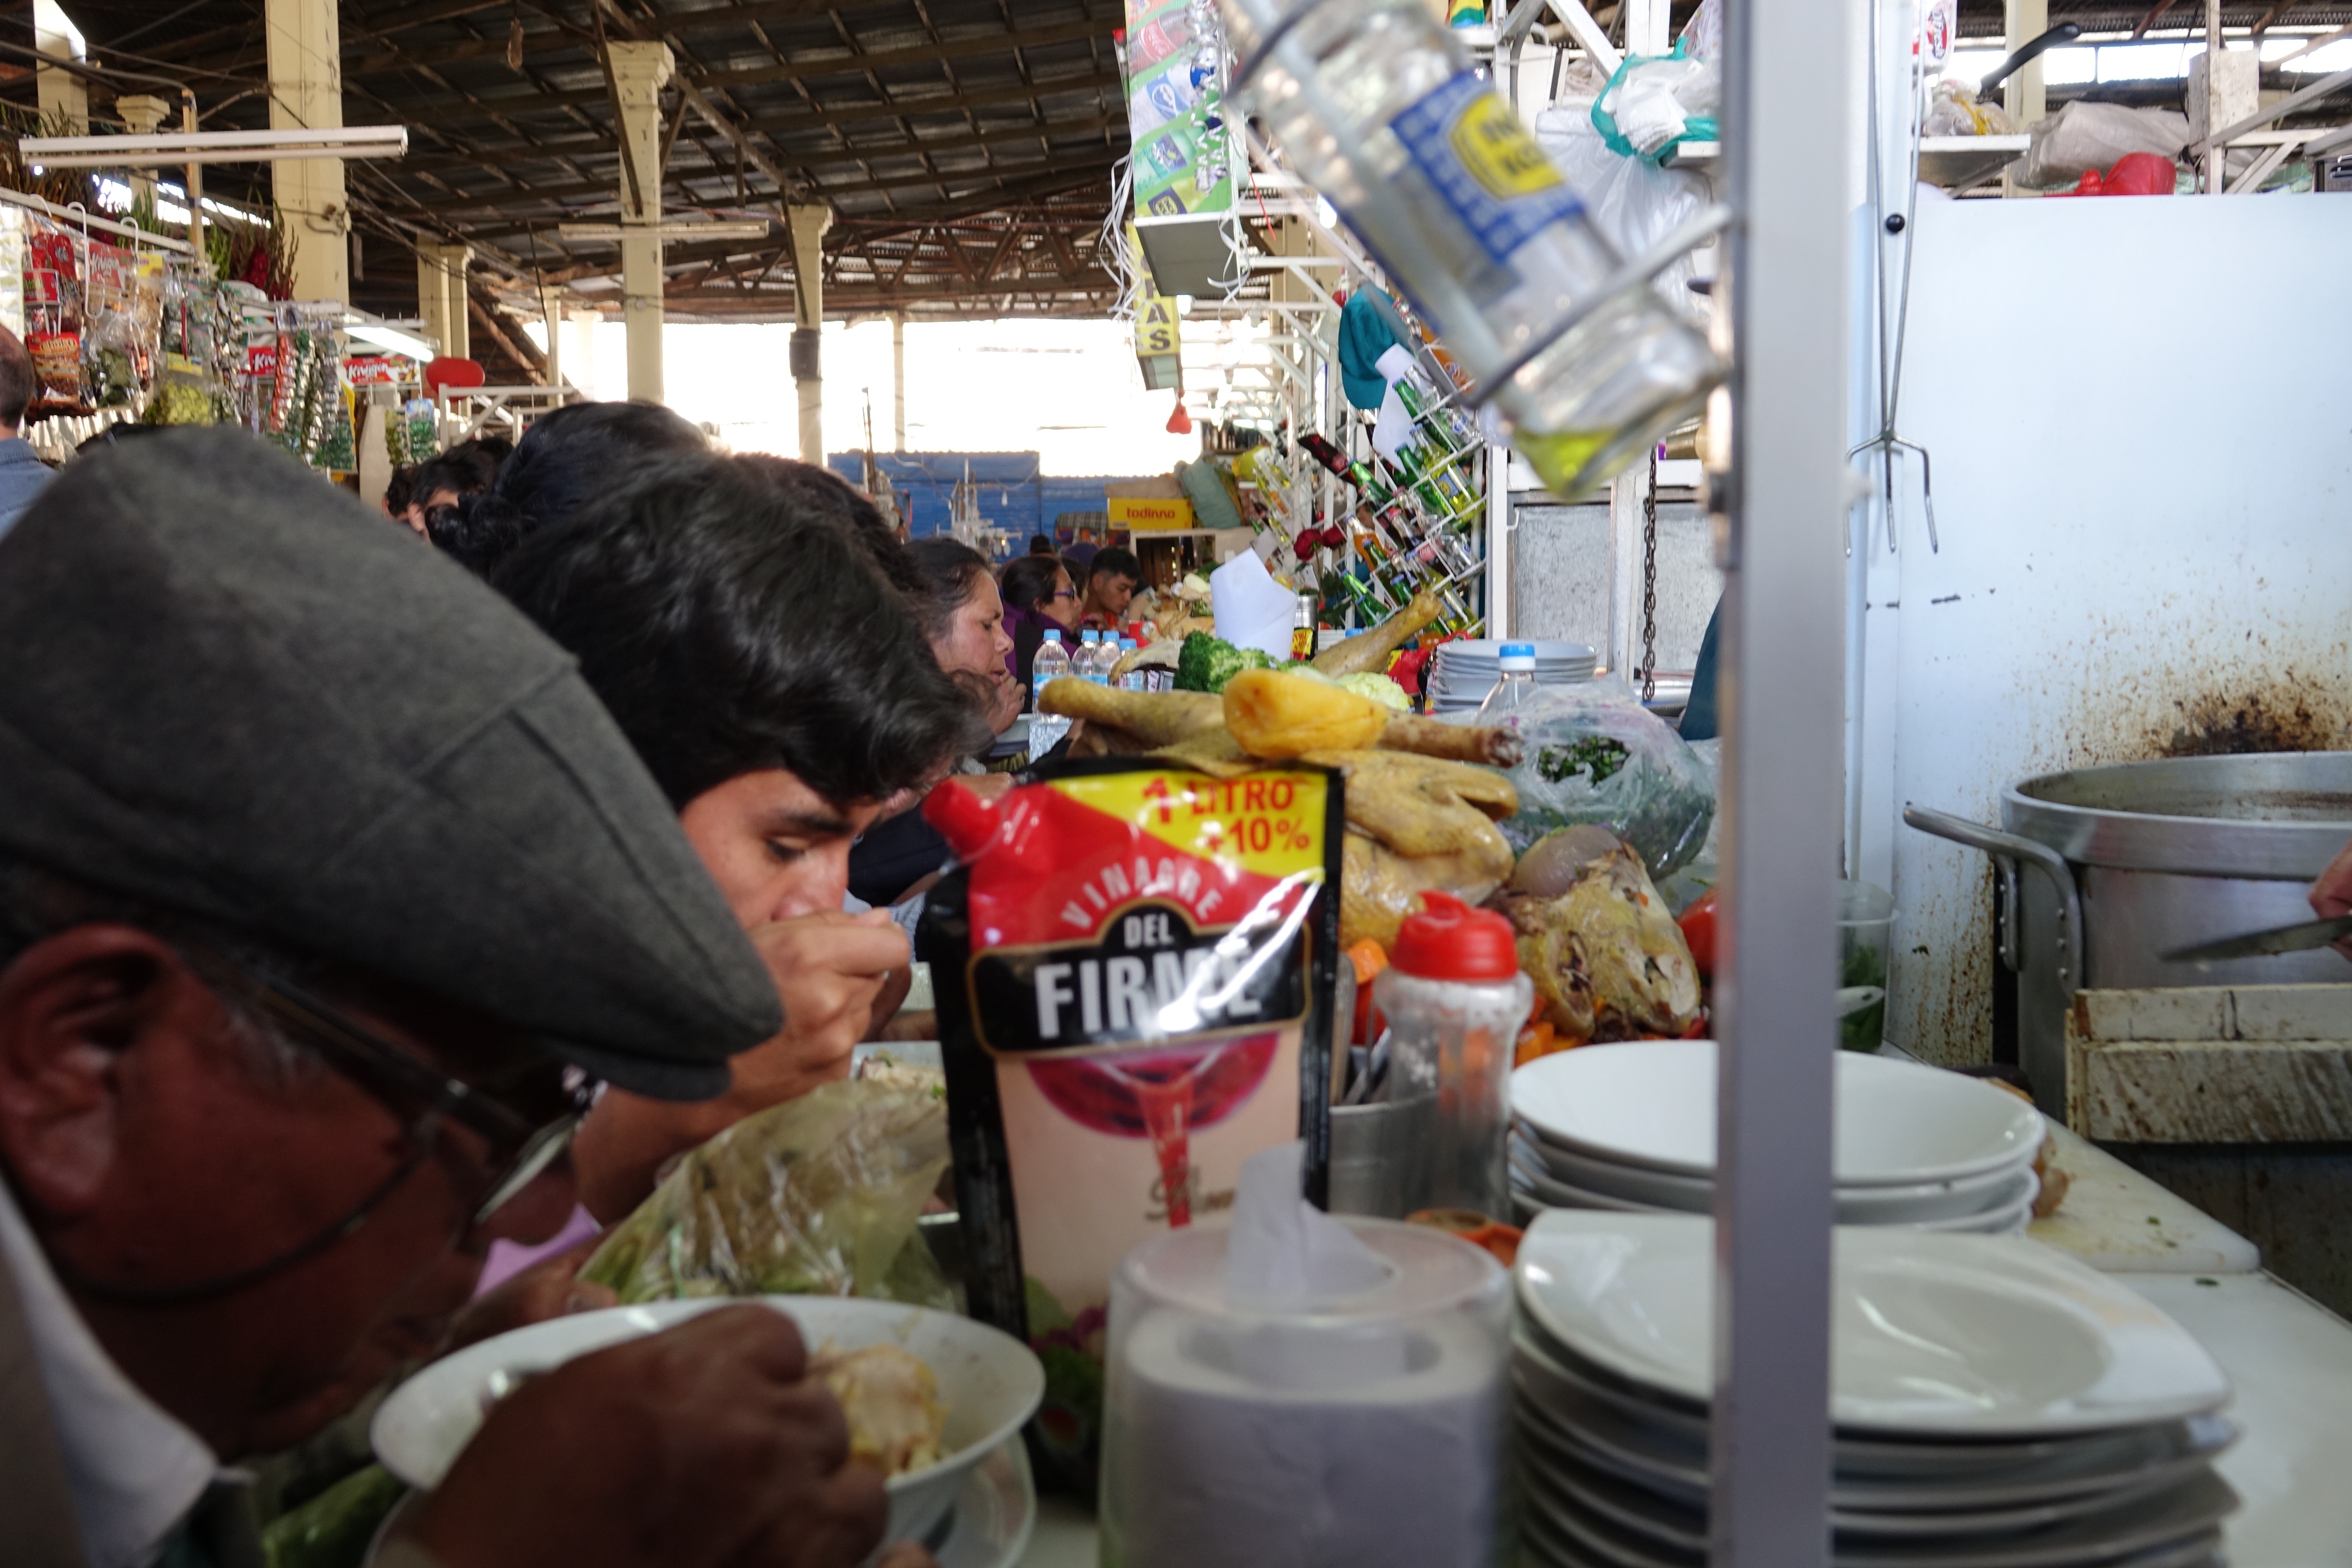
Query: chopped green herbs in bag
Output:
(818,1197)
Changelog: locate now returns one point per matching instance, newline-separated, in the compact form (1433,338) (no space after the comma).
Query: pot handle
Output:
(2007,849)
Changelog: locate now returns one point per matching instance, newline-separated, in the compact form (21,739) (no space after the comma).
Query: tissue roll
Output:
(1383,1445)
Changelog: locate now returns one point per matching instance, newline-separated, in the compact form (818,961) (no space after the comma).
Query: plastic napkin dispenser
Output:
(1299,1390)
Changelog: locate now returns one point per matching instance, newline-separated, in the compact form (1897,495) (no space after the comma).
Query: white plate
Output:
(2014,1210)
(1643,1188)
(1876,1479)
(989,1383)
(1982,1335)
(2174,1531)
(1652,1103)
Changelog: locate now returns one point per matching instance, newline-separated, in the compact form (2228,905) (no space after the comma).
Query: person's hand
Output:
(549,1288)
(829,969)
(705,1446)
(2331,896)
(1004,703)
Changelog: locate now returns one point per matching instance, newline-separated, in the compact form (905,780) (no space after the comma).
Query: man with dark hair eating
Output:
(782,693)
(23,474)
(327,891)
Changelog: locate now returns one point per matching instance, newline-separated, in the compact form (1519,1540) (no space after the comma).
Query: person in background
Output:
(467,469)
(1038,597)
(1701,719)
(1041,545)
(2331,896)
(781,692)
(962,619)
(314,935)
(811,491)
(1111,578)
(398,491)
(23,474)
(569,458)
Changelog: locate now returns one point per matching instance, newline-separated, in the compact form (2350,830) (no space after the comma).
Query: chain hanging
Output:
(1649,670)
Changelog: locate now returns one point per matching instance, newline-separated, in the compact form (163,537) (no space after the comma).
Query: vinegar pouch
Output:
(1134,966)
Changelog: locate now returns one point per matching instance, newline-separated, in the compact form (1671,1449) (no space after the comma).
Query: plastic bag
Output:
(1594,754)
(1632,204)
(1684,888)
(817,1196)
(1650,106)
(1956,111)
(2087,135)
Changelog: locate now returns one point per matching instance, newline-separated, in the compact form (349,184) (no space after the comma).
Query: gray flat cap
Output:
(228,689)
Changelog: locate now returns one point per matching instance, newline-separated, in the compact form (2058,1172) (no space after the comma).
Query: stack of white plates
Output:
(1630,1128)
(1465,671)
(1996,1405)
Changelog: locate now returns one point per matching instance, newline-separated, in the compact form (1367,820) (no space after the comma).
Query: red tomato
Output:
(1698,930)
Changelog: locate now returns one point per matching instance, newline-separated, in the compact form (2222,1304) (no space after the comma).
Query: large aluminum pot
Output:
(2108,867)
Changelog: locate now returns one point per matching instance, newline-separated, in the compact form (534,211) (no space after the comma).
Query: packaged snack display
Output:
(1134,964)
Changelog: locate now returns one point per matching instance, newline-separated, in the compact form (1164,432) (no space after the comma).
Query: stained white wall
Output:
(2140,412)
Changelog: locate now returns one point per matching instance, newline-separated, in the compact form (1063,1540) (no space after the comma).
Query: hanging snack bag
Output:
(53,320)
(1134,964)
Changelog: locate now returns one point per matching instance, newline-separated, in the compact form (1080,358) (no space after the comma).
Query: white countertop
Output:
(2289,1359)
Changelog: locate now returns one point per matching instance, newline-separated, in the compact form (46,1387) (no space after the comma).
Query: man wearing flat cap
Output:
(327,893)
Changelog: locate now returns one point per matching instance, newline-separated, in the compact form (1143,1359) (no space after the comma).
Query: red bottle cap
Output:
(965,820)
(1451,940)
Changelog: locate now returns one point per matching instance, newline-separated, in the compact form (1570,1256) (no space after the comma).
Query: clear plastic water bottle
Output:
(1087,663)
(1514,687)
(1133,680)
(1046,730)
(1382,109)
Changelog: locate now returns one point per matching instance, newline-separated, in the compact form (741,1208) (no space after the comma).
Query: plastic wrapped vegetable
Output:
(817,1196)
(1594,754)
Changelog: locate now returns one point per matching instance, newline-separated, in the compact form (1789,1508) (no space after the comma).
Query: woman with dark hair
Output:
(1038,597)
(569,458)
(781,692)
(962,619)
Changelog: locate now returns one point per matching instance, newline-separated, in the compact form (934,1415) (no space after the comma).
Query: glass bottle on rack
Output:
(1379,106)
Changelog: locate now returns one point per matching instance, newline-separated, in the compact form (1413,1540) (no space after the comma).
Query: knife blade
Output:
(2264,944)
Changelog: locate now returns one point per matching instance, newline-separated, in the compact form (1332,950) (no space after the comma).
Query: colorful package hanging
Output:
(1134,966)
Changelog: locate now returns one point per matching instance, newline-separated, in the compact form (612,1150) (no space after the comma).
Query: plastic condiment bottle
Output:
(1454,1000)
(1514,687)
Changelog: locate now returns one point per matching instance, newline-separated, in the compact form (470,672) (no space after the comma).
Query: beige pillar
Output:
(550,316)
(809,225)
(441,296)
(638,73)
(2021,95)
(142,116)
(584,349)
(898,381)
(62,94)
(306,93)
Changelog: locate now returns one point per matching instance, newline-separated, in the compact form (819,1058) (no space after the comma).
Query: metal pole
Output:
(1789,99)
(638,73)
(808,227)
(1498,542)
(2217,157)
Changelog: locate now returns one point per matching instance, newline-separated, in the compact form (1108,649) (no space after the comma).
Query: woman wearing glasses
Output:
(1039,597)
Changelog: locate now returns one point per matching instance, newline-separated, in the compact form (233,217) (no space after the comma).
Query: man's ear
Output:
(72,1007)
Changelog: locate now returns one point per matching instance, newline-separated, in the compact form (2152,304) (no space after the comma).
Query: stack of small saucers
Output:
(1630,1128)
(1995,1404)
(1465,672)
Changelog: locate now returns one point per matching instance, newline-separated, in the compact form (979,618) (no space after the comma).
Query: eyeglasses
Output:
(1063,594)
(528,1127)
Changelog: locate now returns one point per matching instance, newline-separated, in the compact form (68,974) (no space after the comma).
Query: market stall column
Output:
(441,296)
(306,93)
(809,225)
(638,73)
(61,92)
(142,115)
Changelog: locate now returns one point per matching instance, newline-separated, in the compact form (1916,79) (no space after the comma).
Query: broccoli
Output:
(1206,663)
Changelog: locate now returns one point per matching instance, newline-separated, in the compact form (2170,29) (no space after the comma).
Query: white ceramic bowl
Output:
(2012,1213)
(1563,1195)
(1651,1103)
(989,1381)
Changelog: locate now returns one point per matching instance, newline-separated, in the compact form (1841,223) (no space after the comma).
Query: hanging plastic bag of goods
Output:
(1378,106)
